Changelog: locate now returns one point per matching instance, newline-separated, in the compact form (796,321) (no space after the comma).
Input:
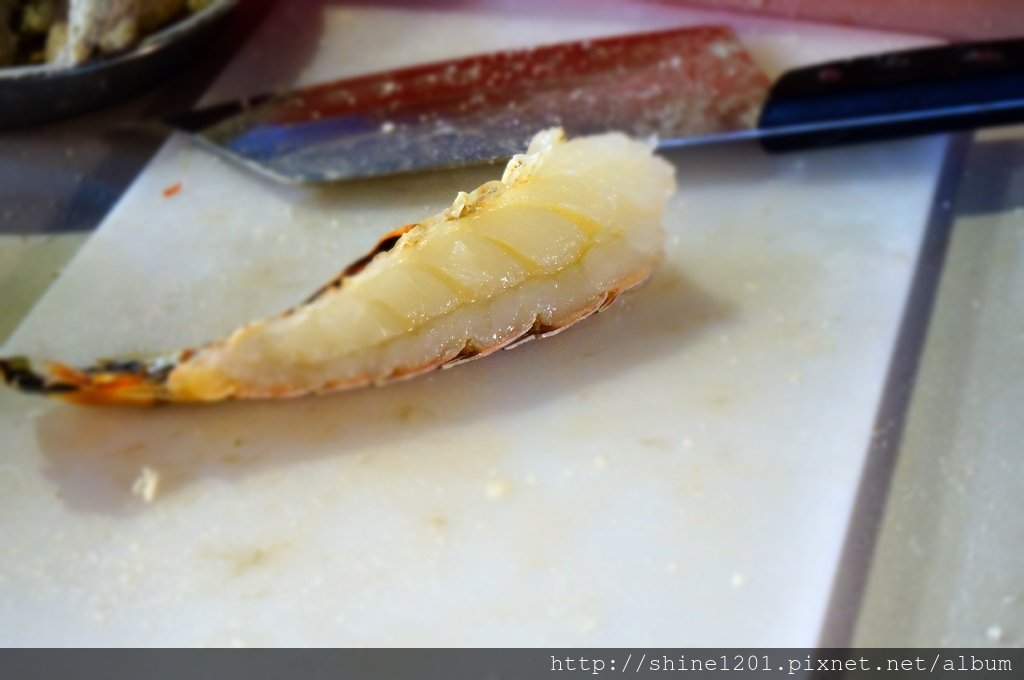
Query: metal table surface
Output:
(933,557)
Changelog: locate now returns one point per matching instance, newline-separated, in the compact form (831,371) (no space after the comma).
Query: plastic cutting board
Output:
(678,470)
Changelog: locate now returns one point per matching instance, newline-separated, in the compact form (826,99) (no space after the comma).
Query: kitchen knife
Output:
(678,87)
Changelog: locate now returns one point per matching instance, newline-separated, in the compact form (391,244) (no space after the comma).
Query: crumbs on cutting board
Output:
(147,484)
(496,489)
(172,190)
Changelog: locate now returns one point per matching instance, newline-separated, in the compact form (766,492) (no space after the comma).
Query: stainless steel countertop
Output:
(947,567)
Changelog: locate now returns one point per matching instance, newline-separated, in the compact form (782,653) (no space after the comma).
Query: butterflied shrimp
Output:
(570,226)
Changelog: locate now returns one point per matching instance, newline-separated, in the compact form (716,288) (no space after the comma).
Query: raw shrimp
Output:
(569,227)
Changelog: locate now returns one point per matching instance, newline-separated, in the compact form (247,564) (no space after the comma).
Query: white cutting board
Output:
(678,470)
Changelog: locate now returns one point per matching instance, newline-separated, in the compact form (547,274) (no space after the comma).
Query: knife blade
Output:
(689,81)
(679,87)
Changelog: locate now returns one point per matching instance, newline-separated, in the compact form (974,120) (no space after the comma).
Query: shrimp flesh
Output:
(568,228)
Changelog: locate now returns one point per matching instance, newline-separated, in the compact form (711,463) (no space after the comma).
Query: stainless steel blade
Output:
(673,84)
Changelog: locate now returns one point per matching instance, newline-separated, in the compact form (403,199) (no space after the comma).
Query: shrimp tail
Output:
(107,382)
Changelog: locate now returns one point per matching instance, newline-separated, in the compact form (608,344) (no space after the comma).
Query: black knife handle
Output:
(897,94)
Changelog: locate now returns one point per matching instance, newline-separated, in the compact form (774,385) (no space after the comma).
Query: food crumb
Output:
(172,190)
(496,489)
(146,484)
(722,50)
(994,633)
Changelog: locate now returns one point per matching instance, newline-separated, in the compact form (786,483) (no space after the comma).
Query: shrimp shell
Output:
(569,227)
